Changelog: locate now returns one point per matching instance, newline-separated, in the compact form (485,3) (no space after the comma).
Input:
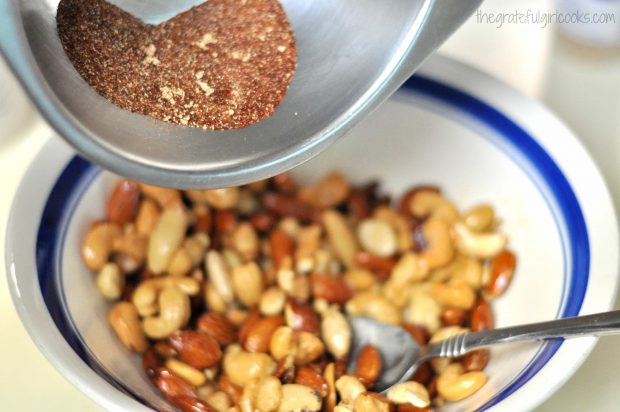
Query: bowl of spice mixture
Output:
(223,93)
(239,298)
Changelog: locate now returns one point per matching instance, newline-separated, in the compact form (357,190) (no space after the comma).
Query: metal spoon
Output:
(401,355)
(352,55)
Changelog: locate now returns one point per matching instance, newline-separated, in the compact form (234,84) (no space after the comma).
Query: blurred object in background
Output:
(16,112)
(594,23)
(582,81)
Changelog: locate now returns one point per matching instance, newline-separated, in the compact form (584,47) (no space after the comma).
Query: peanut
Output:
(299,398)
(247,282)
(244,367)
(377,237)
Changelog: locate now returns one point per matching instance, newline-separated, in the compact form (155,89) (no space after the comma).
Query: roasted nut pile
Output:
(237,298)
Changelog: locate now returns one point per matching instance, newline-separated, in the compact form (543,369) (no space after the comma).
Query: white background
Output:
(581,84)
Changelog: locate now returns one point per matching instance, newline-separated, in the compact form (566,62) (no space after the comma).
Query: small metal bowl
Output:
(352,55)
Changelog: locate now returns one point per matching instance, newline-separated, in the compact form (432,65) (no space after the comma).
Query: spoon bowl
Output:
(352,55)
(402,356)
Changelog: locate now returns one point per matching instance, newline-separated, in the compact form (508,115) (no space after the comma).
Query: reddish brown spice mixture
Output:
(224,64)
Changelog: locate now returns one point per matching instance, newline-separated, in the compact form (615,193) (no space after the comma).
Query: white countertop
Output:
(582,86)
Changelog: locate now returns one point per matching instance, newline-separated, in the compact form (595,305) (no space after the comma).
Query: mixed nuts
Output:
(237,298)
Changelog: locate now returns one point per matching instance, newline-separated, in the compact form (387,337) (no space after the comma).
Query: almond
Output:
(301,316)
(332,289)
(451,316)
(281,246)
(191,404)
(197,349)
(285,205)
(476,360)
(369,365)
(172,386)
(123,202)
(310,377)
(502,268)
(224,221)
(247,325)
(218,327)
(373,262)
(151,362)
(481,316)
(259,335)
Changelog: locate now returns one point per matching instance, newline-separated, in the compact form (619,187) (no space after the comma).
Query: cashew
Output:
(455,293)
(110,281)
(349,388)
(336,333)
(145,295)
(272,301)
(221,199)
(409,392)
(245,241)
(147,217)
(409,268)
(166,198)
(98,245)
(469,271)
(453,386)
(186,372)
(360,279)
(378,237)
(341,237)
(309,348)
(174,313)
(299,398)
(123,318)
(219,400)
(219,275)
(305,347)
(396,293)
(166,238)
(480,218)
(478,245)
(399,223)
(243,367)
(247,283)
(423,310)
(132,244)
(440,250)
(368,403)
(268,394)
(246,402)
(180,264)
(430,203)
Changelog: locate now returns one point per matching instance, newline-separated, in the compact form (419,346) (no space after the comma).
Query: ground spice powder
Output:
(224,64)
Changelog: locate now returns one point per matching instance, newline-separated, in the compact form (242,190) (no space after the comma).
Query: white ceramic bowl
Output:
(450,125)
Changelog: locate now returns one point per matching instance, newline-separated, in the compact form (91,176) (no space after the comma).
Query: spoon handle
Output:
(606,323)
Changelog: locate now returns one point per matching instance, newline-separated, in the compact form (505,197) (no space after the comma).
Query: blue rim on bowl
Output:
(521,146)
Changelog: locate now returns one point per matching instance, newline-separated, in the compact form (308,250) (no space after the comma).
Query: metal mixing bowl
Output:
(352,55)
